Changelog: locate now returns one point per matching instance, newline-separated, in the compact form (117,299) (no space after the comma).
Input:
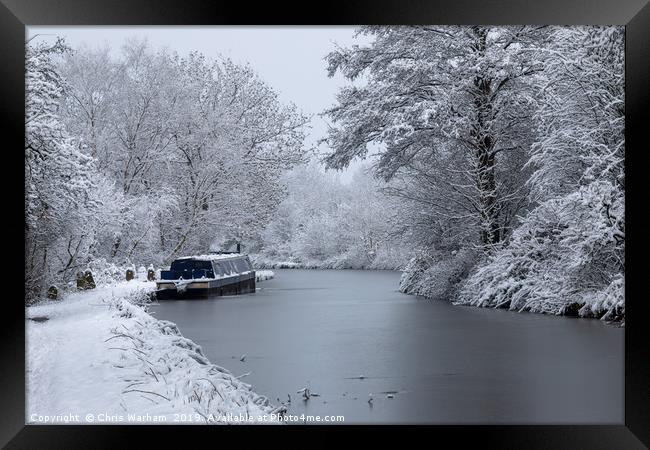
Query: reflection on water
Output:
(348,335)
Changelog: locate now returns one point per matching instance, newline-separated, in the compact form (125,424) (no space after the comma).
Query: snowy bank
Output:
(265,262)
(99,357)
(263,275)
(513,282)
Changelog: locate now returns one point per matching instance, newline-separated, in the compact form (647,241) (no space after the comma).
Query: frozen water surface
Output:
(346,334)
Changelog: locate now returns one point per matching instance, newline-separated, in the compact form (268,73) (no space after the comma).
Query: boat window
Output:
(219,269)
(190,264)
(242,265)
(229,267)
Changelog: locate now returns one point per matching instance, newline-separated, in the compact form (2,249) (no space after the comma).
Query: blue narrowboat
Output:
(203,276)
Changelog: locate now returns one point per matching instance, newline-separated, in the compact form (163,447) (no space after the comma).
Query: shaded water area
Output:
(345,334)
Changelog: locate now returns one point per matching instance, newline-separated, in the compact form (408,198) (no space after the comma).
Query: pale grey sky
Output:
(290,59)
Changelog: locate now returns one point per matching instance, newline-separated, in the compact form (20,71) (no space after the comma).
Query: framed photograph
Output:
(359,217)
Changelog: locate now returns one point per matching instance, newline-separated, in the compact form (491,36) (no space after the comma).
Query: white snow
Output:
(100,354)
(213,256)
(263,275)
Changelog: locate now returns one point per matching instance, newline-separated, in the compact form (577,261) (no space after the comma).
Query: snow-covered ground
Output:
(101,358)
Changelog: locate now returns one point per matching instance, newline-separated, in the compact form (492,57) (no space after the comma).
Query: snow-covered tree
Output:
(568,255)
(448,109)
(324,222)
(59,177)
(229,147)
(195,146)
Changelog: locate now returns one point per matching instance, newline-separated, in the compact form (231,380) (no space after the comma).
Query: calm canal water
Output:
(324,329)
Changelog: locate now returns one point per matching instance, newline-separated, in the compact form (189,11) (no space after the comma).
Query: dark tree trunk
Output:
(486,183)
(485,158)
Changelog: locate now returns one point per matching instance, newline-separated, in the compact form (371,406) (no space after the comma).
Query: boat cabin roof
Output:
(212,257)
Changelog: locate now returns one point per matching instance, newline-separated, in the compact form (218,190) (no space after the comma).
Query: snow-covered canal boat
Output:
(202,276)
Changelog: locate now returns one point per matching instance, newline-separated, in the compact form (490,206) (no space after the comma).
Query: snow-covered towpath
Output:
(95,357)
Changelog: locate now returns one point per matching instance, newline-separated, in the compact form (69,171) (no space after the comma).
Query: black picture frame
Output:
(634,14)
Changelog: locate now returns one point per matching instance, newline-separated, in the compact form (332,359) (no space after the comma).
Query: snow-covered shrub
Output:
(263,275)
(414,273)
(389,257)
(438,275)
(106,272)
(356,257)
(140,297)
(608,303)
(269,262)
(566,258)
